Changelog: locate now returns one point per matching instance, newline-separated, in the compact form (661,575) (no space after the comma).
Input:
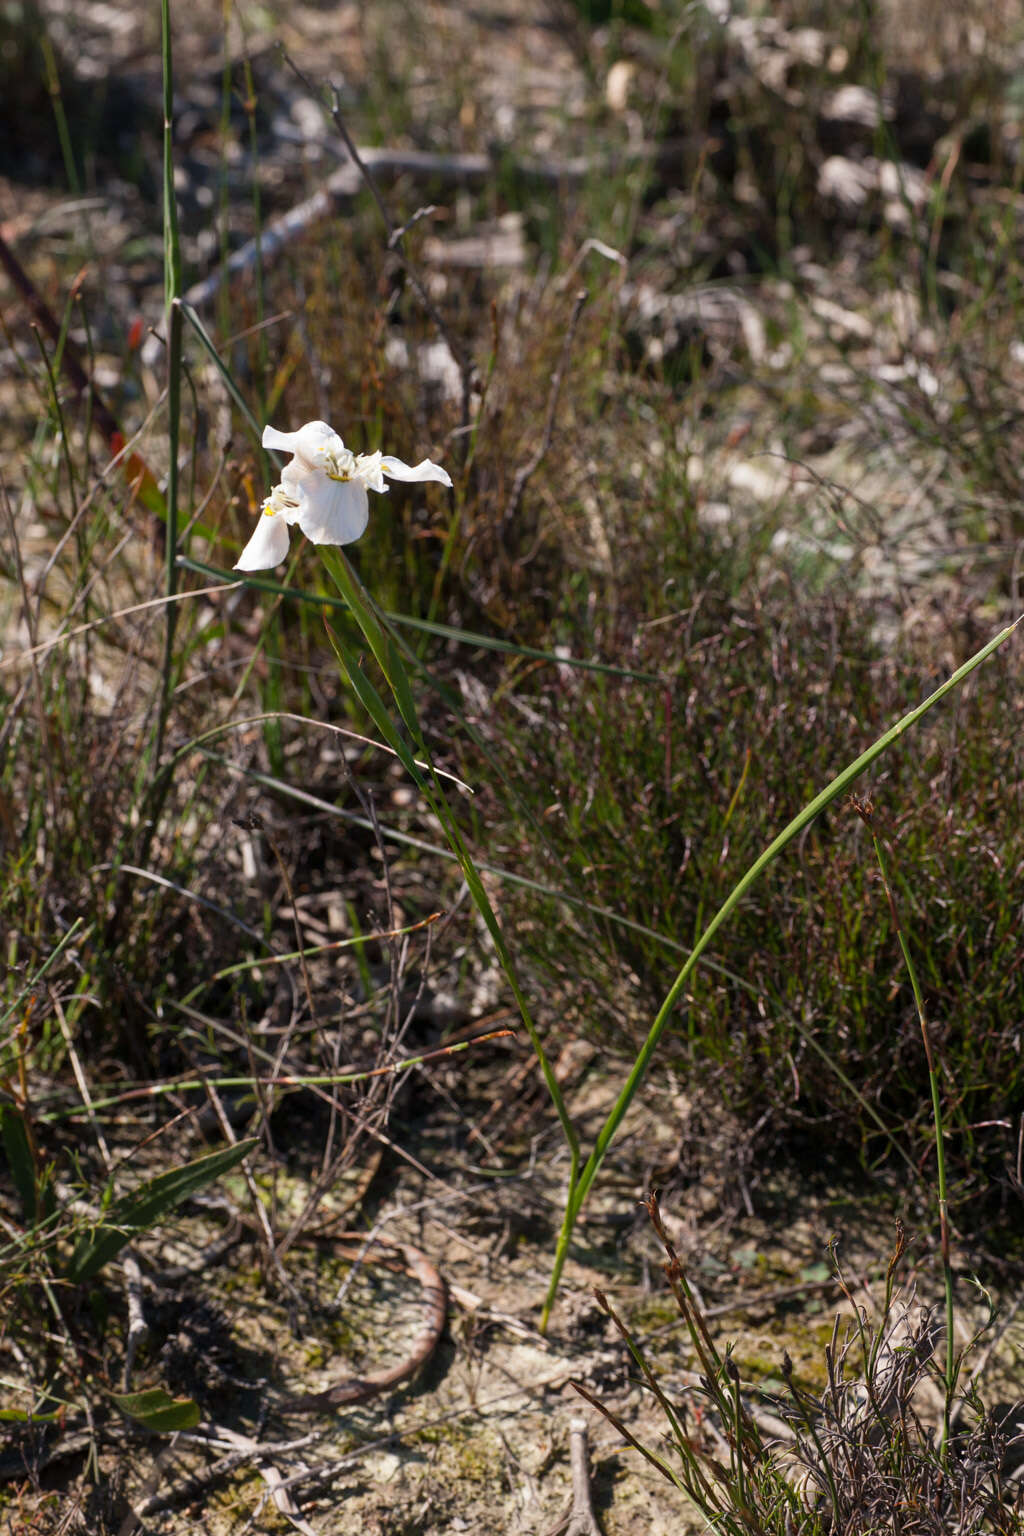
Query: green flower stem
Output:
(737,1408)
(377,631)
(467,637)
(75,932)
(581,1188)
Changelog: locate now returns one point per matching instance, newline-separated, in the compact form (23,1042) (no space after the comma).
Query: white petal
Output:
(334,511)
(291,511)
(268,545)
(284,504)
(305,442)
(424,470)
(298,477)
(368,470)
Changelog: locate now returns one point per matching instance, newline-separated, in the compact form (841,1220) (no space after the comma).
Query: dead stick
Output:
(359,1389)
(581,1520)
(70,357)
(395,241)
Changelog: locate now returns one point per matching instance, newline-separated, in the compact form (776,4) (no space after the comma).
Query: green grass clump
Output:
(654,798)
(856,1453)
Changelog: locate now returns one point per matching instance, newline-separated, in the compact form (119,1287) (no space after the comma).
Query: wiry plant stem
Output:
(172,297)
(381,638)
(865,812)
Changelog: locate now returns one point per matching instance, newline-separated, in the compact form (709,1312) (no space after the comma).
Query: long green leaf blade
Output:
(374,704)
(158,1411)
(144,1207)
(18,1150)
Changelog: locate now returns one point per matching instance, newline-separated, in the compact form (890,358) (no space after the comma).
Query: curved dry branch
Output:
(359,1389)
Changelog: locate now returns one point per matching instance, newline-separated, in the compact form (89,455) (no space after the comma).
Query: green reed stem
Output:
(172,297)
(273,1080)
(468,637)
(864,811)
(737,1412)
(578,1189)
(75,932)
(59,114)
(59,417)
(257,212)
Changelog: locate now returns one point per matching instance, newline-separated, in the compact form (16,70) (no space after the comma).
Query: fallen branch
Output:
(359,1389)
(74,368)
(342,185)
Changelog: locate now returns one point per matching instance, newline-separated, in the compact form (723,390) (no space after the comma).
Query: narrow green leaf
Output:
(75,931)
(579,1190)
(157,1411)
(209,347)
(406,621)
(399,680)
(349,588)
(377,634)
(144,1206)
(18,1149)
(466,637)
(373,704)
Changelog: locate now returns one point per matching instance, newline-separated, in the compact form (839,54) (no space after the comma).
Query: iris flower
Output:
(323,489)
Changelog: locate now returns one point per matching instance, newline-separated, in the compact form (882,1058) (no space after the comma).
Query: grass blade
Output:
(144,1207)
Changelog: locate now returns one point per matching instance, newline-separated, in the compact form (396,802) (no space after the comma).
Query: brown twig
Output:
(45,735)
(342,185)
(630,1439)
(261,1221)
(359,1389)
(71,360)
(255,823)
(153,1503)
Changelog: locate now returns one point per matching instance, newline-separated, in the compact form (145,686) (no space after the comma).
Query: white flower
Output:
(323,489)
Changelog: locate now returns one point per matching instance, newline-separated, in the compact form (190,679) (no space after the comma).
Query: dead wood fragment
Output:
(395,239)
(138,1328)
(342,185)
(581,1520)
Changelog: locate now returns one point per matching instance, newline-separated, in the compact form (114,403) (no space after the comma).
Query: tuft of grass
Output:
(856,1455)
(654,799)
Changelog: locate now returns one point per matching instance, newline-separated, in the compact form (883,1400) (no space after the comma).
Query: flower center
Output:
(278,501)
(338,463)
